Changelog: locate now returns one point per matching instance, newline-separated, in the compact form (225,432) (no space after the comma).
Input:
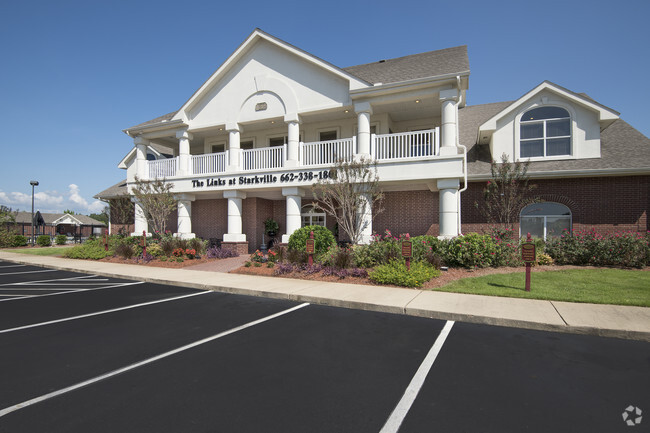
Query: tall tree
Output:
(507,192)
(351,192)
(156,200)
(122,212)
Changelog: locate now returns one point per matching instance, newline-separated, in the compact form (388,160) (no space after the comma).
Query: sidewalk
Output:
(604,320)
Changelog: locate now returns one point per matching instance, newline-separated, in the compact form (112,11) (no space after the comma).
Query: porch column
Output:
(234,216)
(294,197)
(449,99)
(141,224)
(141,157)
(293,122)
(184,138)
(364,213)
(234,149)
(363,110)
(185,216)
(449,203)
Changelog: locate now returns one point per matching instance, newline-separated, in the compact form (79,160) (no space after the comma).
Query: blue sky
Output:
(76,73)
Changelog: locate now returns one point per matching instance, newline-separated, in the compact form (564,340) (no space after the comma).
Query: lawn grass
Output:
(596,286)
(39,251)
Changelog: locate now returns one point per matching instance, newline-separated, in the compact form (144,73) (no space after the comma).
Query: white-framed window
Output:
(311,215)
(544,219)
(327,134)
(247,144)
(218,148)
(545,131)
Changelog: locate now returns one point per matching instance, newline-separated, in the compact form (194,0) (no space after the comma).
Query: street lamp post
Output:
(33,183)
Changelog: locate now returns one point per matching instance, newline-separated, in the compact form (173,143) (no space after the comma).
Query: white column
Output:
(184,138)
(141,224)
(449,99)
(234,216)
(141,157)
(293,139)
(363,110)
(364,213)
(294,197)
(185,216)
(234,148)
(448,219)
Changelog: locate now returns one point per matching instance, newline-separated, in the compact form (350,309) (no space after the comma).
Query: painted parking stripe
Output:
(20,283)
(399,413)
(74,291)
(28,272)
(98,313)
(110,374)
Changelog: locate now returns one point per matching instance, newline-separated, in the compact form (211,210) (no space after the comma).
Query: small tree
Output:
(507,193)
(122,211)
(156,200)
(351,192)
(7,215)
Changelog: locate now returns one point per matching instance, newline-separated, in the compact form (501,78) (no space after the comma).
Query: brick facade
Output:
(606,204)
(413,212)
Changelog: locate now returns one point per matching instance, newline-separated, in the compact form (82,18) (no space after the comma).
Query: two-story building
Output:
(272,119)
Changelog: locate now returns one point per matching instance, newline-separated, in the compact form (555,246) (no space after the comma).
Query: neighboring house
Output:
(53,224)
(273,118)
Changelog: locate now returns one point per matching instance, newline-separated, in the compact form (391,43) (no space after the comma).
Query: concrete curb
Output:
(507,312)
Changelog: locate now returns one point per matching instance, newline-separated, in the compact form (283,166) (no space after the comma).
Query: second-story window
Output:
(545,131)
(327,135)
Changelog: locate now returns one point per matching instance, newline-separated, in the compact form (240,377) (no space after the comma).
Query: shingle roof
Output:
(167,116)
(49,218)
(429,64)
(622,146)
(117,190)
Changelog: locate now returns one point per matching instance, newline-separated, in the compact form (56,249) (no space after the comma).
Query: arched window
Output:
(545,131)
(545,219)
(312,216)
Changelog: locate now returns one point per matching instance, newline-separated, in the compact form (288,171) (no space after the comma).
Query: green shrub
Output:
(380,250)
(338,257)
(89,250)
(508,247)
(395,272)
(323,239)
(154,249)
(61,239)
(471,251)
(19,241)
(199,245)
(44,240)
(626,249)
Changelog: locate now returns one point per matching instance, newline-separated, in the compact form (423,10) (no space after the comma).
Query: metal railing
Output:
(162,168)
(266,157)
(406,144)
(327,152)
(209,163)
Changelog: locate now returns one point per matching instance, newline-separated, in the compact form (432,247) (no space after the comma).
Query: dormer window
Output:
(545,131)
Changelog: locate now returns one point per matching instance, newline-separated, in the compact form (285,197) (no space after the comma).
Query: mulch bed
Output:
(158,263)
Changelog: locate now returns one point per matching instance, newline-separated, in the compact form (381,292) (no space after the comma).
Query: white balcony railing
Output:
(266,157)
(162,168)
(327,152)
(209,163)
(406,144)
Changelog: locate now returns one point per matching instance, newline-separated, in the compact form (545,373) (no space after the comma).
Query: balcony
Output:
(404,146)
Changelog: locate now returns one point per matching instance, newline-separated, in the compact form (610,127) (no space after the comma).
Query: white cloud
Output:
(96,206)
(52,201)
(75,197)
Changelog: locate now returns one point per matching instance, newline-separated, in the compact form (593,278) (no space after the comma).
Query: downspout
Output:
(464,188)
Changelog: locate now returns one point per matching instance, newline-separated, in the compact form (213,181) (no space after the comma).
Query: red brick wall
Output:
(210,218)
(413,212)
(604,203)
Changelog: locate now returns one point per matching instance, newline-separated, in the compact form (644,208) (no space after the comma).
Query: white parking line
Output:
(73,291)
(399,413)
(66,319)
(20,283)
(28,272)
(44,397)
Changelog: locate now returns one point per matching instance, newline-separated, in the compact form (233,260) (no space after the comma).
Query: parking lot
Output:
(84,353)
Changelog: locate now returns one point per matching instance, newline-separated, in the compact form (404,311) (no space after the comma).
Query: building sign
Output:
(261,106)
(528,252)
(407,249)
(266,179)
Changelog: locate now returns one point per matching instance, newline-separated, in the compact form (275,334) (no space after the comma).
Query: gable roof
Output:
(430,64)
(623,148)
(118,190)
(605,115)
(53,219)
